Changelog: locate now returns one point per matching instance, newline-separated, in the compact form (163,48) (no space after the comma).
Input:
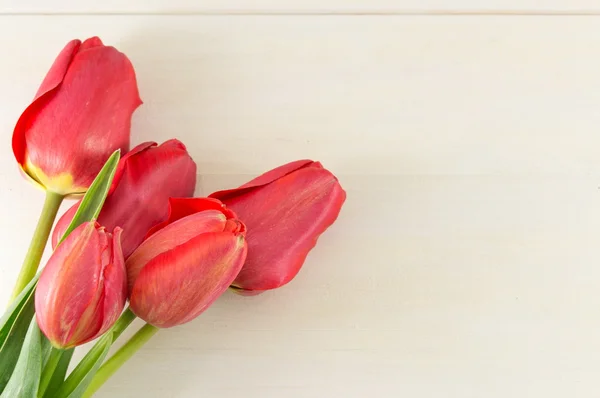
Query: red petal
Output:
(183,207)
(145,179)
(179,285)
(115,285)
(90,320)
(91,43)
(68,284)
(86,119)
(58,70)
(122,163)
(284,220)
(264,179)
(173,235)
(53,79)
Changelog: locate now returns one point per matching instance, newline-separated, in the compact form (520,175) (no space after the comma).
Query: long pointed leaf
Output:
(59,374)
(82,375)
(92,202)
(25,378)
(13,327)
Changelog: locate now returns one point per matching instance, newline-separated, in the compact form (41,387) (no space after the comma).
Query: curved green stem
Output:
(49,369)
(60,371)
(121,356)
(38,242)
(77,375)
(124,320)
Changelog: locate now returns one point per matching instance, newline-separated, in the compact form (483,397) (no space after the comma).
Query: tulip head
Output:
(138,199)
(186,262)
(285,210)
(80,115)
(82,290)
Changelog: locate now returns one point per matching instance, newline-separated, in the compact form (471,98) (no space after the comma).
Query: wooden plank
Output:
(464,263)
(427,286)
(372,95)
(366,94)
(299,7)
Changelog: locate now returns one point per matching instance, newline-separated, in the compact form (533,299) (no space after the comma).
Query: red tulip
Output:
(186,262)
(285,210)
(83,289)
(139,198)
(80,115)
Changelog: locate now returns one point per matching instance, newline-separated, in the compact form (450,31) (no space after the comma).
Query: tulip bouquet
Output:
(137,243)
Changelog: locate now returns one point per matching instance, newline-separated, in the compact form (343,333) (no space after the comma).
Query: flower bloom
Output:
(82,290)
(186,263)
(80,115)
(286,210)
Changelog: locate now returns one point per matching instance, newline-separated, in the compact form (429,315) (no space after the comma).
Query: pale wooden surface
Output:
(465,262)
(298,7)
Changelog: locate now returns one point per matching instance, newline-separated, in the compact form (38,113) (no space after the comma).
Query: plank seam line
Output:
(415,13)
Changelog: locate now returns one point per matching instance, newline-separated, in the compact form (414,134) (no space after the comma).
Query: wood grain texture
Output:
(465,261)
(428,286)
(366,95)
(299,7)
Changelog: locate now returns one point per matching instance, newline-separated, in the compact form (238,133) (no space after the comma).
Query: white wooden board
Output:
(428,286)
(367,95)
(299,7)
(466,261)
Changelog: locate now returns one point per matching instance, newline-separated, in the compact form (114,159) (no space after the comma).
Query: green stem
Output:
(60,372)
(38,242)
(121,356)
(124,320)
(118,328)
(55,355)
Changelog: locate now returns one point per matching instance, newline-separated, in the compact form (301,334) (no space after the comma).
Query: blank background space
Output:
(366,95)
(297,6)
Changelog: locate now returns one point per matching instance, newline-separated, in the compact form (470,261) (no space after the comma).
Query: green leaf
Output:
(92,202)
(12,312)
(25,378)
(46,350)
(59,374)
(15,321)
(13,327)
(81,377)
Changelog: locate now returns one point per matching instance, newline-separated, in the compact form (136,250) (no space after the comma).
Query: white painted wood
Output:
(465,262)
(294,7)
(428,286)
(367,95)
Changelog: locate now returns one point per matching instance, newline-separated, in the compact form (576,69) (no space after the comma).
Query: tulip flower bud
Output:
(82,290)
(80,115)
(139,196)
(285,210)
(186,262)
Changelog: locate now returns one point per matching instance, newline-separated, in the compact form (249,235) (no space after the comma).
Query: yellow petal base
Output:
(61,184)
